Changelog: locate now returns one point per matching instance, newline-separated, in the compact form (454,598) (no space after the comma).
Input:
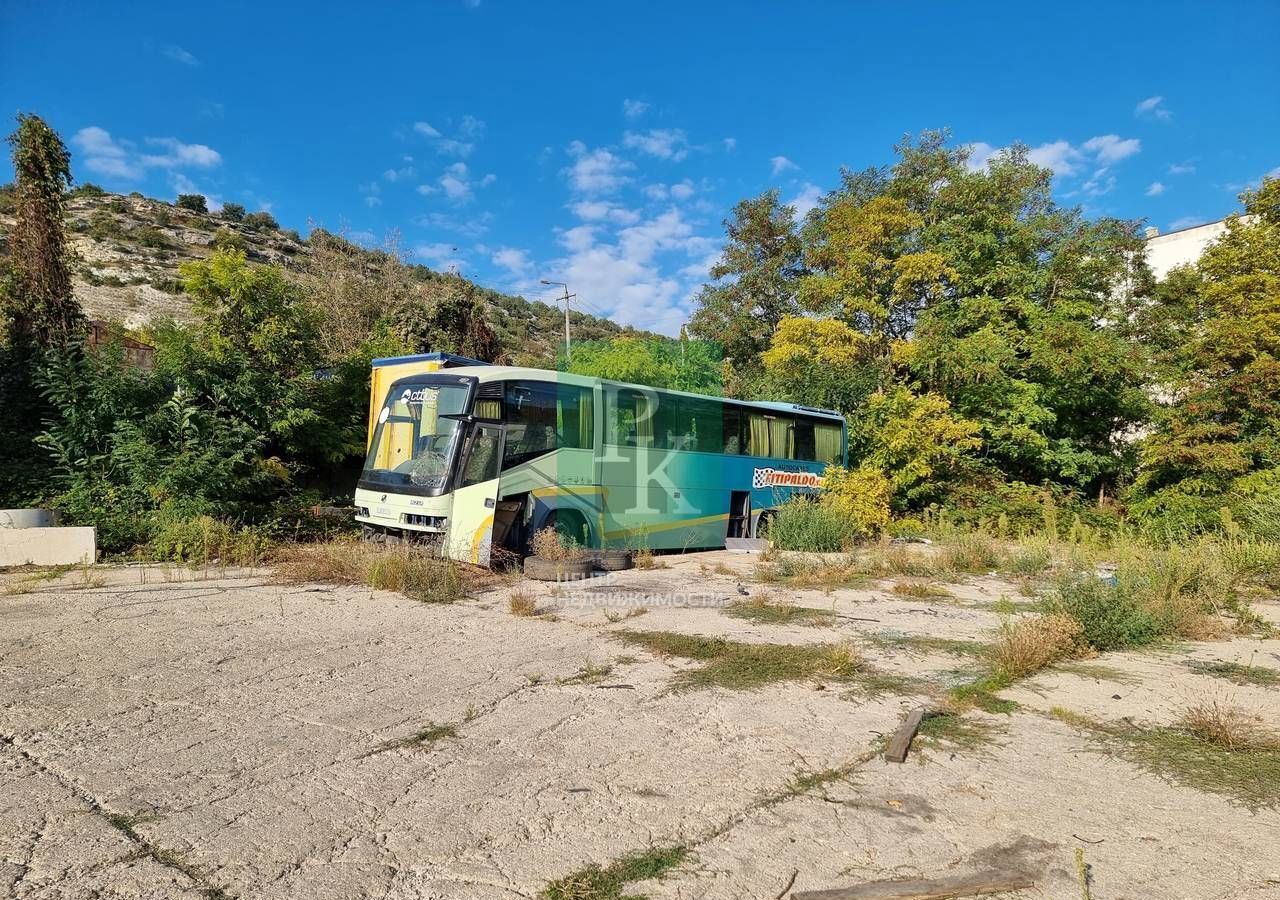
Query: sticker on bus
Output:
(763,478)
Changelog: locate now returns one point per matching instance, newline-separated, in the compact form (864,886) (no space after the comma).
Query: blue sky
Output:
(602,144)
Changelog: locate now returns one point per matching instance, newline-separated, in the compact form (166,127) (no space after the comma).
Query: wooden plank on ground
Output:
(996,881)
(901,742)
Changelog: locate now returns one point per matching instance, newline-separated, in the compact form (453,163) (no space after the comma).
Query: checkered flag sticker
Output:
(761,478)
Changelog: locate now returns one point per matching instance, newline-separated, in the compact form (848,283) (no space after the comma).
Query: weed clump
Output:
(762,610)
(1026,646)
(597,882)
(549,544)
(741,666)
(522,603)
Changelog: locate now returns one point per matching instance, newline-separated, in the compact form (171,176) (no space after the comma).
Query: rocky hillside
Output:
(128,250)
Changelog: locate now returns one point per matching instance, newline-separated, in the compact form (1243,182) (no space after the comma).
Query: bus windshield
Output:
(414,443)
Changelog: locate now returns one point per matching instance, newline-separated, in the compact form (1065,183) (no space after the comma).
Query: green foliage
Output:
(753,285)
(261,221)
(802,524)
(232,212)
(1111,619)
(1218,444)
(87,189)
(200,540)
(193,202)
(681,365)
(228,239)
(607,883)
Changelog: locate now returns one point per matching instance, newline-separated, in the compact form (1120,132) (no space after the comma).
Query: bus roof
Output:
(486,372)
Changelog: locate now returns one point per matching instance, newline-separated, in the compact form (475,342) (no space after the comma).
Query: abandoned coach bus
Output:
(484,456)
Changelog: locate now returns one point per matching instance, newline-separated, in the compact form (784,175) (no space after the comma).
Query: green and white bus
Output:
(484,456)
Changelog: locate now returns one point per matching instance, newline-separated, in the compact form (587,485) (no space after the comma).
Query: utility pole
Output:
(568,352)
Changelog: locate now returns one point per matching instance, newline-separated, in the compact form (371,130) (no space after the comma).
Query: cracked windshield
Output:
(414,440)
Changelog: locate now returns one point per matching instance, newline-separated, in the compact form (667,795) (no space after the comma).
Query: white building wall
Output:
(1177,248)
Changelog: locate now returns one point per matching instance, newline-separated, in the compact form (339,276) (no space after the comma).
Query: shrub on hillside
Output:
(88,189)
(193,202)
(232,212)
(226,239)
(261,221)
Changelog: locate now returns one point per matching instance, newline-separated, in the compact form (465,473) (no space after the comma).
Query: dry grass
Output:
(522,603)
(597,882)
(722,569)
(551,545)
(1026,646)
(1222,723)
(415,574)
(644,559)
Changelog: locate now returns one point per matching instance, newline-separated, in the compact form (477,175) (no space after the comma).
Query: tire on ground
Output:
(613,560)
(540,569)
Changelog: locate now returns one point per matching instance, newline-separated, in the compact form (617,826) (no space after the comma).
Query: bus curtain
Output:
(826,439)
(782,438)
(757,434)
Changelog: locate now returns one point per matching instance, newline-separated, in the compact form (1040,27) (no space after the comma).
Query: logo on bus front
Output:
(763,478)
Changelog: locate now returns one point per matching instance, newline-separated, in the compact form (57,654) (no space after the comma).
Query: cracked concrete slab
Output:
(238,730)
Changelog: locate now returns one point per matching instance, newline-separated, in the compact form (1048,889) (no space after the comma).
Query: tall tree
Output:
(1218,443)
(754,282)
(38,310)
(40,306)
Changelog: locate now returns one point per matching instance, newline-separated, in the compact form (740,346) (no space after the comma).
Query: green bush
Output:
(87,189)
(261,221)
(1110,618)
(227,239)
(802,524)
(193,202)
(232,212)
(203,539)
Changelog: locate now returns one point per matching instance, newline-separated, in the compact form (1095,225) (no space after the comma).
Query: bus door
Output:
(469,537)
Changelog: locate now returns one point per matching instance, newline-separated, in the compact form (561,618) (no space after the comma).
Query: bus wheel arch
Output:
(570,522)
(762,523)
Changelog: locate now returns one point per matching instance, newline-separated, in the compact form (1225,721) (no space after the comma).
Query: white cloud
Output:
(184,185)
(372,192)
(455,183)
(469,130)
(472,227)
(664,143)
(1155,189)
(177,54)
(604,211)
(980,153)
(427,189)
(400,174)
(458,184)
(1153,107)
(1058,156)
(1099,183)
(120,158)
(781,164)
(596,171)
(515,261)
(1111,148)
(683,190)
(1186,168)
(808,198)
(440,255)
(634,109)
(730,144)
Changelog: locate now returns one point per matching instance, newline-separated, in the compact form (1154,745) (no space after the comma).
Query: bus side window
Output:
(732,428)
(804,439)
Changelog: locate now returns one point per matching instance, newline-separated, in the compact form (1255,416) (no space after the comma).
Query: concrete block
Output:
(28,518)
(48,546)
